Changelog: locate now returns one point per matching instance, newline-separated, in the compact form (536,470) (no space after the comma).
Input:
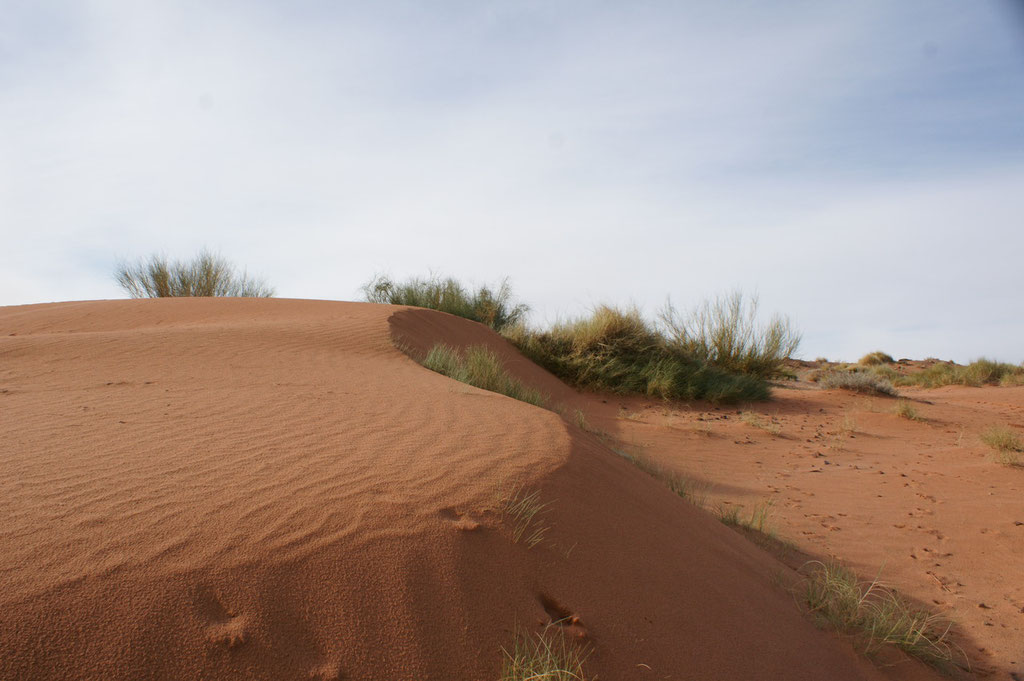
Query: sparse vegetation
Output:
(618,351)
(770,426)
(1005,443)
(522,510)
(480,368)
(495,307)
(544,656)
(877,357)
(849,426)
(904,409)
(724,332)
(857,381)
(693,491)
(758,520)
(876,614)
(206,275)
(977,373)
(719,353)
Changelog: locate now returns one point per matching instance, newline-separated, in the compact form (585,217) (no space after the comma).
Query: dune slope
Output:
(268,489)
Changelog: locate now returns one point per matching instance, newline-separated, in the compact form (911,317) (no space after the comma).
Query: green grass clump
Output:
(495,307)
(480,368)
(904,409)
(877,357)
(619,351)
(545,656)
(724,332)
(977,373)
(876,614)
(206,275)
(1006,444)
(857,381)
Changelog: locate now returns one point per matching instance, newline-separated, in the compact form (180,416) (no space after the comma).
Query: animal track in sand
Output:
(328,671)
(562,617)
(460,520)
(223,627)
(231,633)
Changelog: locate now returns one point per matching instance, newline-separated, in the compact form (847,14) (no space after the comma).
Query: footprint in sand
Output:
(223,627)
(462,521)
(562,617)
(230,634)
(328,671)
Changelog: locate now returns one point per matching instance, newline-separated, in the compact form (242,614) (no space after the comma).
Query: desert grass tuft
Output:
(857,381)
(1005,443)
(206,275)
(479,367)
(524,510)
(875,358)
(545,656)
(754,420)
(759,520)
(905,410)
(876,614)
(617,350)
(494,306)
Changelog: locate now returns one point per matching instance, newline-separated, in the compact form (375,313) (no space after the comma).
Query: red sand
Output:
(919,503)
(268,489)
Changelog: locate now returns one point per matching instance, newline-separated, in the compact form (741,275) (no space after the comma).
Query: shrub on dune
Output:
(205,275)
(875,358)
(725,333)
(977,373)
(719,355)
(619,351)
(857,381)
(495,307)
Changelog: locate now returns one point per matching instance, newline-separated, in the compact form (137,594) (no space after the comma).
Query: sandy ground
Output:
(920,504)
(269,489)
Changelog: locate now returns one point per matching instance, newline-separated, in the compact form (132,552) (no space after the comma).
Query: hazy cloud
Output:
(859,165)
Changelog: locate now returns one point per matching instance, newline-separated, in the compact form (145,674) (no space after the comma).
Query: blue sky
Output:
(858,165)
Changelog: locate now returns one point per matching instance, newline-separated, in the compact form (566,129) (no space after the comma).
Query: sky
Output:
(856,165)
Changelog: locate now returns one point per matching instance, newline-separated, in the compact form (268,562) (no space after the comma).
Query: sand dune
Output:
(268,489)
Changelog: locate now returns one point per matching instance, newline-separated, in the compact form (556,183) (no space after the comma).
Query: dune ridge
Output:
(269,489)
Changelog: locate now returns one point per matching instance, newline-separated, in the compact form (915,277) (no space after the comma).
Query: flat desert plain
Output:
(270,489)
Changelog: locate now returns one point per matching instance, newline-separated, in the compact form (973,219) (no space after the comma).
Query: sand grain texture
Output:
(268,489)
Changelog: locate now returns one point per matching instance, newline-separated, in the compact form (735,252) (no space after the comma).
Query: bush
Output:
(977,373)
(480,368)
(205,275)
(494,307)
(877,357)
(618,351)
(724,333)
(857,381)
